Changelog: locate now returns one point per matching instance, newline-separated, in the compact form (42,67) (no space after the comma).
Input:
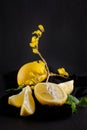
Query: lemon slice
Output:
(23,100)
(16,100)
(50,94)
(28,105)
(67,86)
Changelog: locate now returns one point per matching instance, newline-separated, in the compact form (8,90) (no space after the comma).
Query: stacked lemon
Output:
(46,93)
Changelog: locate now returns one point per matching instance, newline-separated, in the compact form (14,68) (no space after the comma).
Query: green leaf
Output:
(83,102)
(15,89)
(73,107)
(72,101)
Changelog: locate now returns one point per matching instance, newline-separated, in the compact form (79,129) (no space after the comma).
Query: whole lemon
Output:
(32,73)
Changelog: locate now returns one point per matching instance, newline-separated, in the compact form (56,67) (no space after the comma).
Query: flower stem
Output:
(47,68)
(48,72)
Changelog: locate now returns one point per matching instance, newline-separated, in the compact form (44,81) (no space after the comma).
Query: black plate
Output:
(43,114)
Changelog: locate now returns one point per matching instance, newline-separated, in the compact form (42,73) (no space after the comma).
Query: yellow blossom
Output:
(41,27)
(62,71)
(32,44)
(33,39)
(38,32)
(35,50)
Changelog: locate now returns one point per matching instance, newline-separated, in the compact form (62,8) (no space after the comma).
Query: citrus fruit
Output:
(24,100)
(67,86)
(16,100)
(28,105)
(49,94)
(32,73)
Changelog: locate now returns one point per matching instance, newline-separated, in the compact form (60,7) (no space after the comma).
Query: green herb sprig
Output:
(74,102)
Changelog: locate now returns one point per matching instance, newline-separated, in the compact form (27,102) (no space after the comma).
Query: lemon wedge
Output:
(67,86)
(23,100)
(49,94)
(28,105)
(16,100)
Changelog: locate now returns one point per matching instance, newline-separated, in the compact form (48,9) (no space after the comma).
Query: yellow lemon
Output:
(24,100)
(67,86)
(50,94)
(32,73)
(28,105)
(16,100)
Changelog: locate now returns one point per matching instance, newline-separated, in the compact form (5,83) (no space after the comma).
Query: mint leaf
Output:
(72,101)
(73,107)
(83,102)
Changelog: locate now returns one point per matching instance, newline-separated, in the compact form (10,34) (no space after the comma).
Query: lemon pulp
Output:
(67,86)
(49,94)
(24,100)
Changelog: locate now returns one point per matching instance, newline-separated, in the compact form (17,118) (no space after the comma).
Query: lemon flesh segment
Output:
(32,73)
(50,94)
(67,86)
(28,105)
(16,100)
(23,100)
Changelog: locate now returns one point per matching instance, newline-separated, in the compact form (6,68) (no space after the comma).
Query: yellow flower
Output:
(32,44)
(38,32)
(41,27)
(62,71)
(34,41)
(35,50)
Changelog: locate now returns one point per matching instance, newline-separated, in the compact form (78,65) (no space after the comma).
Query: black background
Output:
(63,44)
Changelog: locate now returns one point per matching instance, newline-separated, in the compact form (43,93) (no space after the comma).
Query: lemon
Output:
(24,100)
(16,100)
(49,94)
(28,106)
(32,73)
(67,86)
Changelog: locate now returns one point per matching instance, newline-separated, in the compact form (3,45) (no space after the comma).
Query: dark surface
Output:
(64,44)
(45,117)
